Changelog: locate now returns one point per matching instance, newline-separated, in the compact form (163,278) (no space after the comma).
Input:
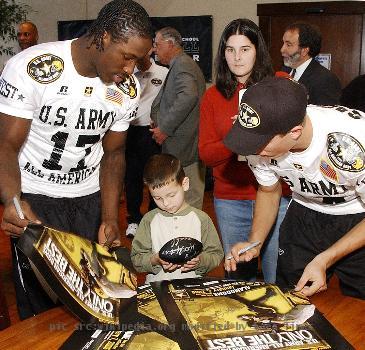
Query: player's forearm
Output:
(351,241)
(265,213)
(112,169)
(10,180)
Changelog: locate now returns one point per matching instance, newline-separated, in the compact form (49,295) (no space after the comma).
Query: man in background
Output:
(175,110)
(140,146)
(301,44)
(27,35)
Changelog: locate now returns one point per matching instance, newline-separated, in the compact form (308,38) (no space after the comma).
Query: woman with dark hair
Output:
(242,60)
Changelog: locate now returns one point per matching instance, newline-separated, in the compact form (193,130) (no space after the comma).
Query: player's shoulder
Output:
(345,139)
(40,52)
(159,69)
(43,63)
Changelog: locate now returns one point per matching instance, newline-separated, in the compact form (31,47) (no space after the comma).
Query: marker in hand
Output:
(18,208)
(244,250)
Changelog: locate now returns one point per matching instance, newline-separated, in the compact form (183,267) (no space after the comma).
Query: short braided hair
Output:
(122,19)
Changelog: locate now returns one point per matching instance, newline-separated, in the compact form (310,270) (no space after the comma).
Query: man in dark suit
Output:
(175,111)
(301,43)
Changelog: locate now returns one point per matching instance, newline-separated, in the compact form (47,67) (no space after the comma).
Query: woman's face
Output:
(240,55)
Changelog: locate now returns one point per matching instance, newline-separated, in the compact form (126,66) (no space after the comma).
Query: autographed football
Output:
(179,250)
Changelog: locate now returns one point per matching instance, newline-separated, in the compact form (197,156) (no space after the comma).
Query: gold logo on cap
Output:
(248,117)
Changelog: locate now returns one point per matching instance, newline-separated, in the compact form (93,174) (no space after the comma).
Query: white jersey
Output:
(151,81)
(70,115)
(329,176)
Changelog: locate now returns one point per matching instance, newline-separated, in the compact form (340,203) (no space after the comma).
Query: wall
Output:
(223,11)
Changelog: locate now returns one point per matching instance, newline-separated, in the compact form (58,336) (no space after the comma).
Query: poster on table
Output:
(100,288)
(84,275)
(210,315)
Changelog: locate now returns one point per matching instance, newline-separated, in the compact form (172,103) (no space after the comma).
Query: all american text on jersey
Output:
(70,178)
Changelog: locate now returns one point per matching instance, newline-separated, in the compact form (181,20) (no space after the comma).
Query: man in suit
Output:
(175,111)
(301,43)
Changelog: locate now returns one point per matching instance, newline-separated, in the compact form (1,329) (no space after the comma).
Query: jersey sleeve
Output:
(132,93)
(18,92)
(264,175)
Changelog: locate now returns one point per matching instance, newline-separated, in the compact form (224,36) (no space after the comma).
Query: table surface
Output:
(45,331)
(50,329)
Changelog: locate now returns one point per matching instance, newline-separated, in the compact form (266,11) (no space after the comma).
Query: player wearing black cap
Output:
(319,152)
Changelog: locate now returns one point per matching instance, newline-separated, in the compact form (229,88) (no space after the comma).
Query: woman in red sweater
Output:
(242,60)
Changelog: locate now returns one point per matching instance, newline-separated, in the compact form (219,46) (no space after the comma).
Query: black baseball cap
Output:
(271,107)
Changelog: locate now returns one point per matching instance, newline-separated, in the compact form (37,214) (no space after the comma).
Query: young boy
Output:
(167,183)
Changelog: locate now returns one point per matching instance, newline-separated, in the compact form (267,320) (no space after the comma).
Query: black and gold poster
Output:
(192,314)
(83,274)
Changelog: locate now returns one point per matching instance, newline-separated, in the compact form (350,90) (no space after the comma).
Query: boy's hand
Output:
(191,264)
(169,267)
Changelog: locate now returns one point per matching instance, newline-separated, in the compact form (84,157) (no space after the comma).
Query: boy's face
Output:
(171,197)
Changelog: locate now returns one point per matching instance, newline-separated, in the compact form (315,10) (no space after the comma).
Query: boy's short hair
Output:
(162,169)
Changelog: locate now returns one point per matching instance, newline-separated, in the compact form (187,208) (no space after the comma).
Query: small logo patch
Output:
(46,68)
(114,96)
(156,82)
(298,166)
(128,86)
(248,117)
(88,91)
(328,171)
(63,90)
(345,152)
(273,162)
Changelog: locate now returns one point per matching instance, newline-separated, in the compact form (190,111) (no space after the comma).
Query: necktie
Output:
(292,73)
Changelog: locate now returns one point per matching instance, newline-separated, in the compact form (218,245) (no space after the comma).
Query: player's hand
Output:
(313,279)
(12,224)
(230,264)
(191,264)
(109,234)
(158,135)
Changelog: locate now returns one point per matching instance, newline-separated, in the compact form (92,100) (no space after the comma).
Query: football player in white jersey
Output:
(65,108)
(320,153)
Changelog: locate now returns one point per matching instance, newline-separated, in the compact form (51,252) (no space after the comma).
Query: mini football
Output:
(179,250)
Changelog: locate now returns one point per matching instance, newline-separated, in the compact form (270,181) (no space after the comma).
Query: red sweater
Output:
(232,179)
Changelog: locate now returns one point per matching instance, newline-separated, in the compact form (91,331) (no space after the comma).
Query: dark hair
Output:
(162,169)
(170,33)
(122,19)
(225,80)
(309,36)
